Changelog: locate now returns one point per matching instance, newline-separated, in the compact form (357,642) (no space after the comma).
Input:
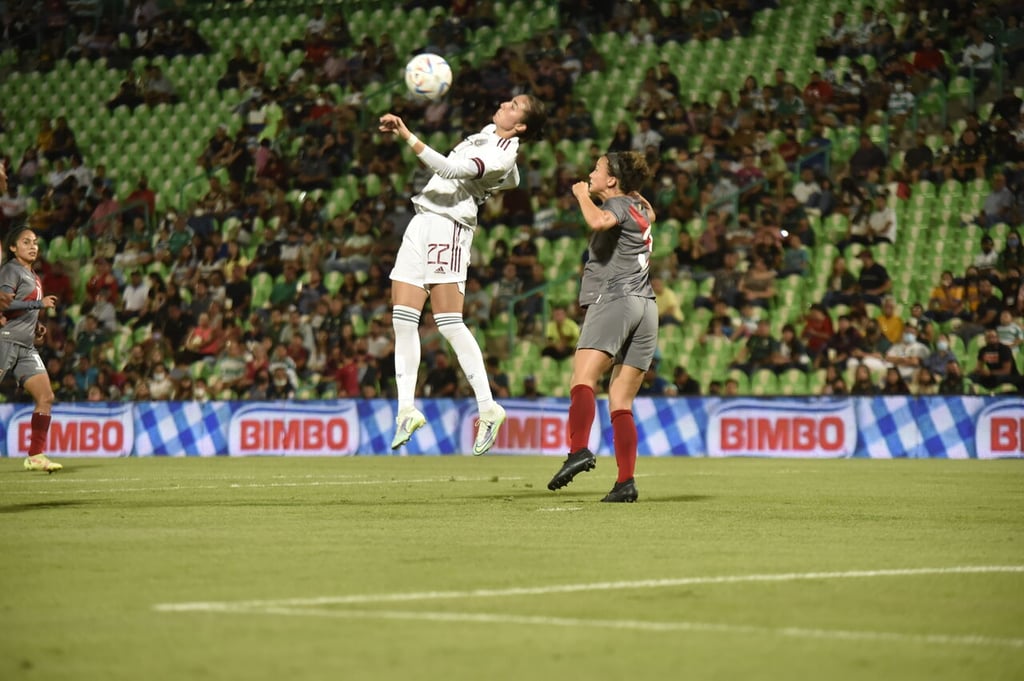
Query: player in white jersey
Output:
(19,334)
(620,332)
(433,259)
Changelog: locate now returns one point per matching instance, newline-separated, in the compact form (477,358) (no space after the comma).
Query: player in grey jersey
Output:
(18,336)
(620,332)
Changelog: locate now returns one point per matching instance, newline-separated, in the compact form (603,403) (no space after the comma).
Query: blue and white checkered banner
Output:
(870,427)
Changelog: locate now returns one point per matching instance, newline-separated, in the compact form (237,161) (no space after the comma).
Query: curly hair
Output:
(629,168)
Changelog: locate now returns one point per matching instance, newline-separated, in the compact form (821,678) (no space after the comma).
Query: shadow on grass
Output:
(583,496)
(39,506)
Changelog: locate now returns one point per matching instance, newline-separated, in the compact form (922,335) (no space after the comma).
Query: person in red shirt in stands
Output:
(929,61)
(103,278)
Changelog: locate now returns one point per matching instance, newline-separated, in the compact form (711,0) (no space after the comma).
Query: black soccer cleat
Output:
(579,461)
(623,492)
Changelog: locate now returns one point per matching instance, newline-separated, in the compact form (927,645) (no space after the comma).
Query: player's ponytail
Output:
(630,169)
(535,118)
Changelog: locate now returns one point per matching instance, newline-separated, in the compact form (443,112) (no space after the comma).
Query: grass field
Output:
(469,568)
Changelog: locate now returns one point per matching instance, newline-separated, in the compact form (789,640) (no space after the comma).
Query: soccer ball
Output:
(428,76)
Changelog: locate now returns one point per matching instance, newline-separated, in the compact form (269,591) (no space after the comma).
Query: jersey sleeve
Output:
(493,160)
(8,279)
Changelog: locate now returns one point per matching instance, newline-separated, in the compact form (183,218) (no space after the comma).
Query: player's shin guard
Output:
(471,359)
(624,439)
(40,427)
(406,321)
(582,408)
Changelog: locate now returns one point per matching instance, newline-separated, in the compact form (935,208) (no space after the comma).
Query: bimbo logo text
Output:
(782,429)
(78,431)
(298,430)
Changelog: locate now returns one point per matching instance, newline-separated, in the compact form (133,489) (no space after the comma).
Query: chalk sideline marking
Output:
(643,625)
(356,599)
(295,607)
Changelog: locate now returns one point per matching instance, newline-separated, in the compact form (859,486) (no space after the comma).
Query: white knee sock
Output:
(406,321)
(470,358)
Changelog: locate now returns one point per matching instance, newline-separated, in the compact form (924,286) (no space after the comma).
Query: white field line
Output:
(256,485)
(641,625)
(355,599)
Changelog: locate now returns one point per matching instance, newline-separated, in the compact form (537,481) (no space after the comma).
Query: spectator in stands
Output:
(893,383)
(947,299)
(1010,332)
(969,157)
(836,40)
(996,365)
(866,158)
(977,60)
(863,382)
(684,384)
(840,346)
(953,382)
(985,316)
(670,311)
(497,378)
(157,88)
(907,354)
(726,286)
(562,332)
(929,62)
(1000,205)
(918,160)
(986,260)
(1011,260)
(873,281)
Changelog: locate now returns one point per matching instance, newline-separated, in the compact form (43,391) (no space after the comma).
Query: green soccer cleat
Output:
(39,462)
(407,423)
(487,430)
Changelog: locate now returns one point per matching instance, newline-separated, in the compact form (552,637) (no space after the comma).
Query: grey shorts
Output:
(24,362)
(625,328)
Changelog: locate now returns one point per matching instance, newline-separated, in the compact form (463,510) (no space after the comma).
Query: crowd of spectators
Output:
(258,291)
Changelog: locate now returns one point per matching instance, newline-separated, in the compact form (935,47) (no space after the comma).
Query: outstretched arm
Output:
(450,169)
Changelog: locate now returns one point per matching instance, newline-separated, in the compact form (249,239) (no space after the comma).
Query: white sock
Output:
(470,358)
(406,321)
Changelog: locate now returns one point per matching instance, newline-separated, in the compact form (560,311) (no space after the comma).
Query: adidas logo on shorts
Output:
(439,270)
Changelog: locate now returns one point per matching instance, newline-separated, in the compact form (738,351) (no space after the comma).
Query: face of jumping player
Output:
(601,179)
(509,116)
(26,247)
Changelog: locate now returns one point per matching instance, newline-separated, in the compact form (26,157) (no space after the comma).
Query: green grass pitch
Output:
(469,568)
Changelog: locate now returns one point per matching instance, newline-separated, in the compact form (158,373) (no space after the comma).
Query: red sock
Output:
(582,407)
(624,439)
(40,427)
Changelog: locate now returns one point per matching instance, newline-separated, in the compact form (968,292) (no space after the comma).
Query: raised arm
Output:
(450,169)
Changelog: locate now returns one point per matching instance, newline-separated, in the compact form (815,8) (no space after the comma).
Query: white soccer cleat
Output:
(487,430)
(407,423)
(39,462)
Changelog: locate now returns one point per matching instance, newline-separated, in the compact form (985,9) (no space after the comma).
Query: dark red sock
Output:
(624,439)
(582,407)
(40,427)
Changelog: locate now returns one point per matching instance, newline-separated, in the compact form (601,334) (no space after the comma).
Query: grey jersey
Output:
(25,285)
(619,258)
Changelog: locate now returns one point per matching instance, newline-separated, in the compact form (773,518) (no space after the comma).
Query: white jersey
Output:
(479,166)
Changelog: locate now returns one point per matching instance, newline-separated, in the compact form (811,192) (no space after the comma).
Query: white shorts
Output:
(434,250)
